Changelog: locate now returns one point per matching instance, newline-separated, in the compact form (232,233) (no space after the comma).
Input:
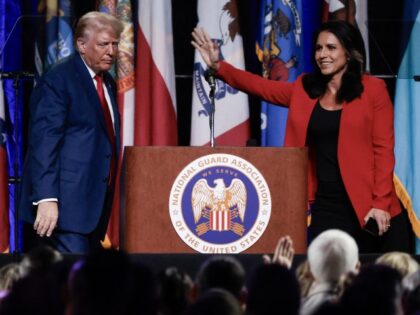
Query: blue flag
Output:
(407,126)
(10,47)
(57,41)
(285,34)
(4,191)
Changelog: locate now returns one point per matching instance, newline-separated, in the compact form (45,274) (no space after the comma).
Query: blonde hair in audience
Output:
(402,262)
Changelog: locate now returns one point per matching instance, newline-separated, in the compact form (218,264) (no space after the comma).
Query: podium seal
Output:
(220,204)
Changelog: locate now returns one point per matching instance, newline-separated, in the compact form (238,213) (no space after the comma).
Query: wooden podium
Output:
(150,172)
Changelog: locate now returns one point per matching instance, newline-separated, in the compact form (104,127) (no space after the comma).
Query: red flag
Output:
(155,106)
(151,119)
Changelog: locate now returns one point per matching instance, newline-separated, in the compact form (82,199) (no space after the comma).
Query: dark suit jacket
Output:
(365,142)
(69,153)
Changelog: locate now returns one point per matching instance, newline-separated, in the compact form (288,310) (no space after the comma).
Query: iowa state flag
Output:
(220,19)
(407,122)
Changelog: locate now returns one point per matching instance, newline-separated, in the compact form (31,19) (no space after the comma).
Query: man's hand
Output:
(46,218)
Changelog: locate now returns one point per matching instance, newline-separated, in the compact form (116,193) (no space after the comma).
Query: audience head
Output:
(411,280)
(43,291)
(107,283)
(328,308)
(304,277)
(40,258)
(174,291)
(331,255)
(376,290)
(273,287)
(215,302)
(9,275)
(412,302)
(402,262)
(224,272)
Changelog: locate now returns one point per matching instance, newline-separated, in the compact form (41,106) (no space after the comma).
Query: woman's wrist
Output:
(215,65)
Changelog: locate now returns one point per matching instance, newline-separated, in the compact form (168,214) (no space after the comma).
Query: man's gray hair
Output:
(97,21)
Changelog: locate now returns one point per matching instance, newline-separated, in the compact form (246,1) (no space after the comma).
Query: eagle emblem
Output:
(219,205)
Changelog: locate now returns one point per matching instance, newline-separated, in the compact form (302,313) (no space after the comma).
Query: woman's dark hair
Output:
(350,38)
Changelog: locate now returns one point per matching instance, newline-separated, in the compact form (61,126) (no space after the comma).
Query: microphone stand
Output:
(212,112)
(15,180)
(209,76)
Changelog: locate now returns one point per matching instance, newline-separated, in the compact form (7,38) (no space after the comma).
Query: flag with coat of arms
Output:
(279,48)
(231,127)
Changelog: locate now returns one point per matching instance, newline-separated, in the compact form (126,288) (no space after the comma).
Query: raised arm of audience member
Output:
(283,253)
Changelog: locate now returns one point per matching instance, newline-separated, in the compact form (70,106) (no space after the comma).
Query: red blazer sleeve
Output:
(275,92)
(383,145)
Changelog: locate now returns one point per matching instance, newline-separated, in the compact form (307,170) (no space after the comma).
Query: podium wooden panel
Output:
(151,171)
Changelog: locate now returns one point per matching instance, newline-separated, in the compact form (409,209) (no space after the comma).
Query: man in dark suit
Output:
(69,170)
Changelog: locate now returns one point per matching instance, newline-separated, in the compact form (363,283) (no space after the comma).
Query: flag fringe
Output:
(106,243)
(406,201)
(259,52)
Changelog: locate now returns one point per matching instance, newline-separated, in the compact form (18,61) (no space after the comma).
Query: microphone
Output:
(211,80)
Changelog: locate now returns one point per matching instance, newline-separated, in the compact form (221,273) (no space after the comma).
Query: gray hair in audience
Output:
(332,254)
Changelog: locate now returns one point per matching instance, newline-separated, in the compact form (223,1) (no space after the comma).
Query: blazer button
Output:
(108,156)
(105,180)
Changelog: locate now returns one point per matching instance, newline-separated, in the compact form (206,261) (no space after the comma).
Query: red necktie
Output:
(108,123)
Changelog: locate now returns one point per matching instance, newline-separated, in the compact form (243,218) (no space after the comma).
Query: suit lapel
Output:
(89,88)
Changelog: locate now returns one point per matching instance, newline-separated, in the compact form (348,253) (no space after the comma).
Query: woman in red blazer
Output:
(345,117)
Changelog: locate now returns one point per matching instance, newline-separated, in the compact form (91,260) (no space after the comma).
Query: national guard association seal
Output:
(220,204)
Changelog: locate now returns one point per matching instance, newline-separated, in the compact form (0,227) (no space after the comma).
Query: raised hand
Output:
(209,50)
(283,253)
